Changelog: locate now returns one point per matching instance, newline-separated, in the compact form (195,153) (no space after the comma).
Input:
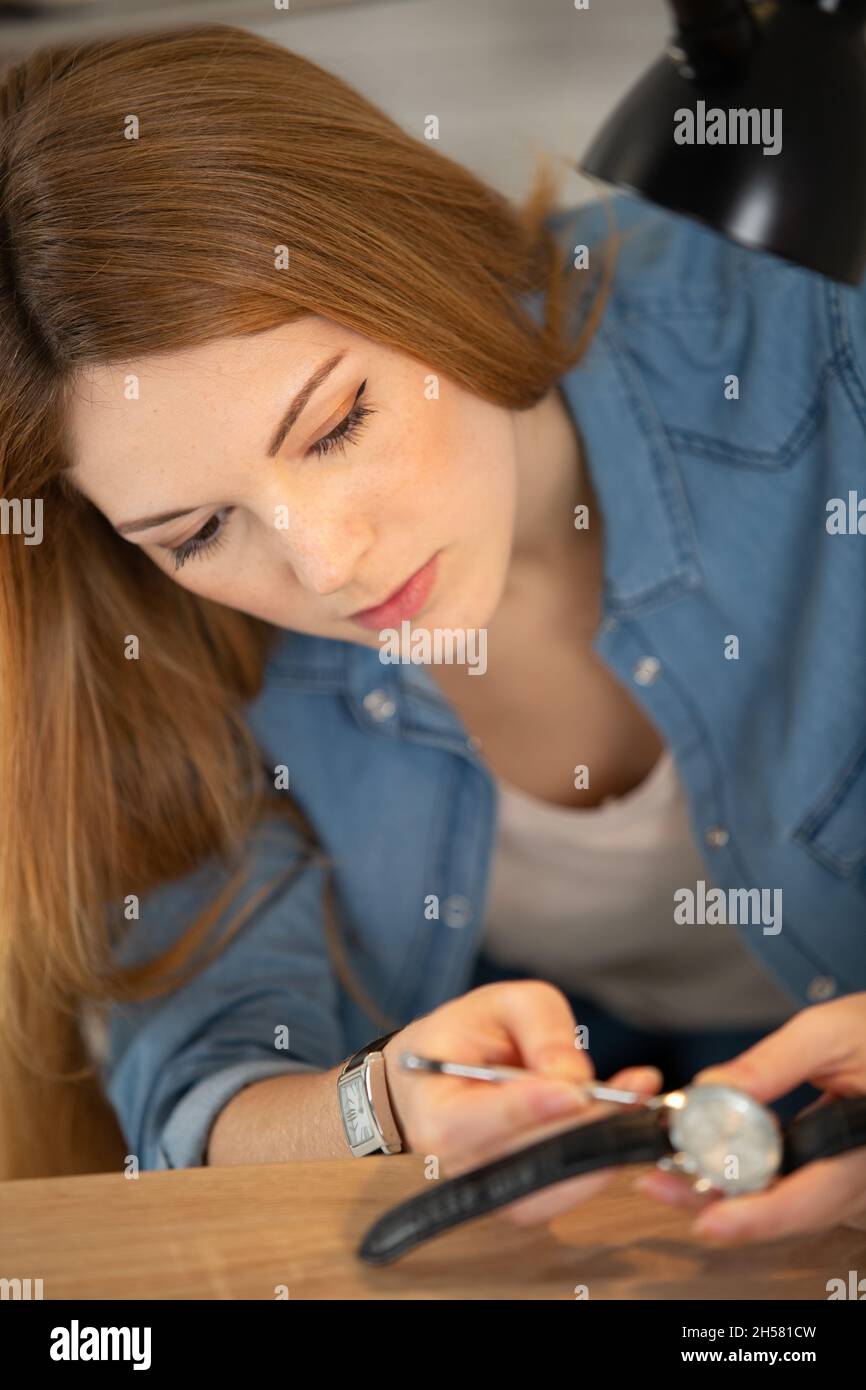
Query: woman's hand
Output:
(521,1023)
(825,1045)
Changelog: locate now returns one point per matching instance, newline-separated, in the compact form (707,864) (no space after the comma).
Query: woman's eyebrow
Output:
(319,375)
(144,523)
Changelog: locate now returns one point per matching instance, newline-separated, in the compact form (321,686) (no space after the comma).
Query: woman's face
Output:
(335,518)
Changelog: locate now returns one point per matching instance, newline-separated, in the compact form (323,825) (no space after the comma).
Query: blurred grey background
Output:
(506,78)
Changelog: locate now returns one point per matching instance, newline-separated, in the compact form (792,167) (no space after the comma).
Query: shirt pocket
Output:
(834,829)
(745,383)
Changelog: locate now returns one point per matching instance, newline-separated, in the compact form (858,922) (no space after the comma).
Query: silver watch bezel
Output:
(704,1165)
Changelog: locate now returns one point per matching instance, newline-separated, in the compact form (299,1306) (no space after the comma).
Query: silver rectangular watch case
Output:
(365,1104)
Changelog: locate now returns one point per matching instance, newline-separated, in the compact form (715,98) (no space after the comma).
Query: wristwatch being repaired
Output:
(365,1104)
(721,1136)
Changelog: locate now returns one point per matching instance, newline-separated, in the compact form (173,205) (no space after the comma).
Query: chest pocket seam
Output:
(764,460)
(834,830)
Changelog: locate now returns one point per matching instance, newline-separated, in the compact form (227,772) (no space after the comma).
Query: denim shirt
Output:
(715,507)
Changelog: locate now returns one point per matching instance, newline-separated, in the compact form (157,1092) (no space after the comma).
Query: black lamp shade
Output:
(800,67)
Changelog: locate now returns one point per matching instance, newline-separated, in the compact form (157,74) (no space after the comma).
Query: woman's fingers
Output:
(647,1080)
(819,1195)
(539,1020)
(481,1121)
(552,1201)
(465,1123)
(517,1115)
(827,1193)
(475,1127)
(523,1023)
(530,1024)
(822,1044)
(673,1189)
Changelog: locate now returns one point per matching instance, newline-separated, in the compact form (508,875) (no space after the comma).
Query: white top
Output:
(585,899)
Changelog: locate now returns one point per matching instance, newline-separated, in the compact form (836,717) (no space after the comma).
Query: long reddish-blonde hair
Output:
(116,775)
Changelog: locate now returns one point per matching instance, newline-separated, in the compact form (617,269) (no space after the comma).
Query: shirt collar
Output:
(395,700)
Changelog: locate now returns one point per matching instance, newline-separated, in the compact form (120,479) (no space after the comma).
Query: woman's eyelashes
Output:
(348,428)
(203,540)
(206,540)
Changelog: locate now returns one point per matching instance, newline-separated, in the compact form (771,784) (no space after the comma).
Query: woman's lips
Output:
(404,603)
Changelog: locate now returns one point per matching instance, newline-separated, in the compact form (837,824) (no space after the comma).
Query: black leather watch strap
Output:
(638,1136)
(375,1046)
(635,1137)
(830,1129)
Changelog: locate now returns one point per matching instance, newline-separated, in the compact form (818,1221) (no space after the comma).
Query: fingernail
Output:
(563,1070)
(660,1191)
(710,1076)
(644,1183)
(646,1077)
(560,1101)
(722,1225)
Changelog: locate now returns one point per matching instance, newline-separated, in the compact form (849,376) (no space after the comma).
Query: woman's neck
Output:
(551,553)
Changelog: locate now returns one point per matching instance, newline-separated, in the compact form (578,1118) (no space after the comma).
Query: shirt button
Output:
(716,836)
(646,670)
(456,911)
(821,987)
(473,742)
(610,625)
(379,706)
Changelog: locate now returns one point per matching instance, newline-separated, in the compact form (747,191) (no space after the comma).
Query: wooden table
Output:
(239,1233)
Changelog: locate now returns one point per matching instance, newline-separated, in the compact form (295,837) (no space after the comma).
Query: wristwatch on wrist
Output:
(365,1103)
(722,1137)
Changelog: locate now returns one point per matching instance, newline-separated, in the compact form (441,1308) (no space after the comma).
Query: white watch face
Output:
(356,1113)
(734,1141)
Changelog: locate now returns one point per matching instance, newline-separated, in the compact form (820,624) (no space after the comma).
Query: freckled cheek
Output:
(466,470)
(221,588)
(231,583)
(393,481)
(436,457)
(266,589)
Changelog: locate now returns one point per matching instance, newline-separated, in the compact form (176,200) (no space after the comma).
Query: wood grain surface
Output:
(241,1232)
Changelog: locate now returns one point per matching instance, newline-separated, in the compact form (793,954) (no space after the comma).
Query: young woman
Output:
(286,390)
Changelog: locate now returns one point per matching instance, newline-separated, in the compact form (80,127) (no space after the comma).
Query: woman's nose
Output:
(325,552)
